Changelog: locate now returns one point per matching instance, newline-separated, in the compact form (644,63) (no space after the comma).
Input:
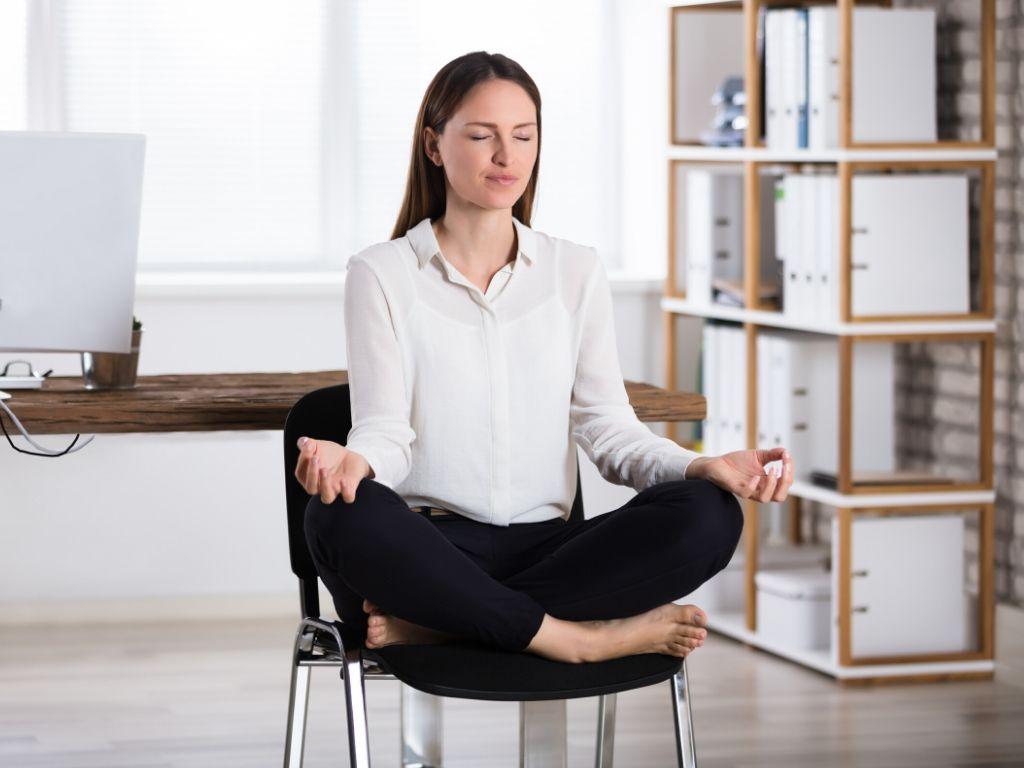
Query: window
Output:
(279,133)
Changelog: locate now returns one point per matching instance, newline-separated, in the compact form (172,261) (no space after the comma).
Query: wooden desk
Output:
(232,401)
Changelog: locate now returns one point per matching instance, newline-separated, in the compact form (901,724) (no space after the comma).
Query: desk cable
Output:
(48,452)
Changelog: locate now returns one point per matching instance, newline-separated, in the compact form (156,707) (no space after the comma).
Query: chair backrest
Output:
(326,414)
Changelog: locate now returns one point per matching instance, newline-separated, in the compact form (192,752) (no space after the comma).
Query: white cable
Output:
(33,442)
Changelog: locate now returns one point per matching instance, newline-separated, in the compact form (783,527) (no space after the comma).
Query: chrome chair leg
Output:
(298,704)
(542,734)
(682,708)
(422,728)
(355,706)
(605,731)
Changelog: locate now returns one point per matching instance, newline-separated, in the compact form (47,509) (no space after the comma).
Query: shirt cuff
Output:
(675,465)
(376,464)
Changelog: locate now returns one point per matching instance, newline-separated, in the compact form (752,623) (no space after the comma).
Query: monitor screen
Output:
(69,233)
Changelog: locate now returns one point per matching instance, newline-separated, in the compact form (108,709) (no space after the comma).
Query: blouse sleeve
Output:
(381,430)
(625,451)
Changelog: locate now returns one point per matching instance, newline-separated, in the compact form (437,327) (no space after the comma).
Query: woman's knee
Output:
(723,513)
(370,506)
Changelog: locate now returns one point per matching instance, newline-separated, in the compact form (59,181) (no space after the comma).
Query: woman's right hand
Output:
(327,468)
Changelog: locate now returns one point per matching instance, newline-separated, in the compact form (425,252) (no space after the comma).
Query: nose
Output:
(501,154)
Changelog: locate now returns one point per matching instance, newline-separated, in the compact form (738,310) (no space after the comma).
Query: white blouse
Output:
(472,400)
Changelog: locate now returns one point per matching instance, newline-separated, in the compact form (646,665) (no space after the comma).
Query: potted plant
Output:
(113,370)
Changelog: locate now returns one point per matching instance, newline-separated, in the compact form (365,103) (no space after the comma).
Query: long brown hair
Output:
(425,184)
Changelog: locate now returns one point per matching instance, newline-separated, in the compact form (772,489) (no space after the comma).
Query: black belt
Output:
(433,511)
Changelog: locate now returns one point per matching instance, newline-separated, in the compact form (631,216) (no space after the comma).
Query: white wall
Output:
(184,524)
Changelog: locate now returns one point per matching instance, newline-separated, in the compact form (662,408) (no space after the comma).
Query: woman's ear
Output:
(430,146)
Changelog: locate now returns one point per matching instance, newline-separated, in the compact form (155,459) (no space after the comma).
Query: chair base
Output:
(542,721)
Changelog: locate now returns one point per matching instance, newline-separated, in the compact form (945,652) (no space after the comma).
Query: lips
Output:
(503,179)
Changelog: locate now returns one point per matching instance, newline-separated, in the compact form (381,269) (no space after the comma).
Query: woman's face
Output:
(476,156)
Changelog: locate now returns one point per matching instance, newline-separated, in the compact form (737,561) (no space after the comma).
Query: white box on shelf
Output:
(724,592)
(794,608)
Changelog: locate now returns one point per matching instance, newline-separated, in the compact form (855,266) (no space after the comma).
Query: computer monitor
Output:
(69,232)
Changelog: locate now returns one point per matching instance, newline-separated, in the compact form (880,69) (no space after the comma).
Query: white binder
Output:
(827,248)
(790,95)
(873,407)
(698,235)
(712,388)
(893,75)
(808,234)
(909,230)
(774,77)
(907,593)
(727,226)
(766,396)
(785,375)
(734,372)
(800,83)
(823,77)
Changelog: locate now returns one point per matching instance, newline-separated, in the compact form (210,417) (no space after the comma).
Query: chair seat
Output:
(468,670)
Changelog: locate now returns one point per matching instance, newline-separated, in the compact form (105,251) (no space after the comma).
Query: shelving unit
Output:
(978,326)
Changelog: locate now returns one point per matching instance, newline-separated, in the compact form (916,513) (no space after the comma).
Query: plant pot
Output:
(112,370)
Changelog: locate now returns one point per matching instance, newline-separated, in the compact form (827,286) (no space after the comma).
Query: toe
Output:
(694,615)
(688,630)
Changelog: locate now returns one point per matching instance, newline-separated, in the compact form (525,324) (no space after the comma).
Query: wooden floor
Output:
(216,694)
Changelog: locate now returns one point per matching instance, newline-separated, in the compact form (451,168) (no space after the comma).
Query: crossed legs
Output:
(587,590)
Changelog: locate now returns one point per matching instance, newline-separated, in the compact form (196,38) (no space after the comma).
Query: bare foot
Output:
(385,629)
(670,629)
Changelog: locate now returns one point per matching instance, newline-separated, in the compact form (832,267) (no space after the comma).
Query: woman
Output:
(480,352)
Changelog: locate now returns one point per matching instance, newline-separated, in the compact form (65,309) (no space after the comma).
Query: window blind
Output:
(230,97)
(279,131)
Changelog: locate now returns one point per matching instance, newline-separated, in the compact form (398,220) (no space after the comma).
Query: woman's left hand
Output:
(743,473)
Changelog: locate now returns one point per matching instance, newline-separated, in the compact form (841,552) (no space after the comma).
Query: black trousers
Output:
(495,583)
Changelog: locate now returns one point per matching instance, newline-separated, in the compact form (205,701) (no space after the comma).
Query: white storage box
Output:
(724,591)
(794,607)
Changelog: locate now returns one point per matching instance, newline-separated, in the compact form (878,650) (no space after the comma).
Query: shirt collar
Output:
(424,242)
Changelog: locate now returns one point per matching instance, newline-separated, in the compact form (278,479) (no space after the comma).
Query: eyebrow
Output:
(492,125)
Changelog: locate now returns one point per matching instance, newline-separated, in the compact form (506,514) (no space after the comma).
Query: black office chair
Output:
(462,668)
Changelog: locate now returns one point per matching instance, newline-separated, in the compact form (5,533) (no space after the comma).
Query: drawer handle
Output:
(859,573)
(859,609)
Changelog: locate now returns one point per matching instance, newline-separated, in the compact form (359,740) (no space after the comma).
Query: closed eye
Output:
(480,138)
